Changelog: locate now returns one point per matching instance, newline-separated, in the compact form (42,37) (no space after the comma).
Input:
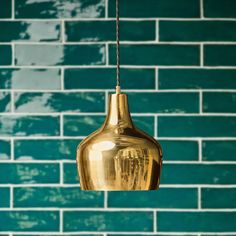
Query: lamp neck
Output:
(118,112)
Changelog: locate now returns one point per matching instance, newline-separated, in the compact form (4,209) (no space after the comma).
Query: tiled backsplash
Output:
(57,67)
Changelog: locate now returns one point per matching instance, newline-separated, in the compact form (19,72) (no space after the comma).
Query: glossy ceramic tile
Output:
(56,197)
(5,197)
(196,78)
(60,102)
(49,55)
(5,146)
(29,221)
(27,79)
(198,174)
(33,31)
(24,173)
(60,149)
(163,198)
(5,55)
(70,174)
(101,221)
(219,150)
(5,12)
(5,101)
(219,102)
(143,54)
(157,8)
(103,78)
(96,31)
(59,9)
(155,102)
(197,126)
(29,125)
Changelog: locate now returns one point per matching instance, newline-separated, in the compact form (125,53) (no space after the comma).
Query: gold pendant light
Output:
(118,156)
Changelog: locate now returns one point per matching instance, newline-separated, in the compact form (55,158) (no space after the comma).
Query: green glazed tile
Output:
(146,234)
(156,54)
(85,125)
(58,234)
(163,198)
(29,31)
(39,221)
(5,55)
(195,31)
(102,221)
(219,102)
(220,55)
(164,102)
(218,198)
(20,173)
(5,147)
(215,8)
(196,79)
(70,174)
(60,9)
(60,102)
(27,79)
(57,197)
(49,149)
(49,55)
(219,150)
(29,125)
(5,197)
(5,101)
(95,31)
(104,78)
(157,8)
(198,174)
(196,221)
(197,126)
(5,9)
(179,150)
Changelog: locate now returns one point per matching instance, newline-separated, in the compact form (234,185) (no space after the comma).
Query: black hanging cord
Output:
(117,47)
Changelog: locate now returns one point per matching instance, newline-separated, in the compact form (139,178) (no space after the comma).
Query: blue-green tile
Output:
(70,174)
(49,55)
(27,79)
(156,54)
(60,9)
(163,198)
(85,125)
(5,10)
(220,55)
(195,31)
(39,221)
(5,101)
(179,150)
(196,221)
(102,221)
(4,197)
(197,126)
(34,31)
(198,174)
(28,173)
(197,79)
(219,102)
(5,147)
(62,149)
(164,102)
(104,78)
(5,55)
(56,197)
(157,8)
(215,9)
(218,198)
(95,31)
(221,150)
(29,125)
(60,102)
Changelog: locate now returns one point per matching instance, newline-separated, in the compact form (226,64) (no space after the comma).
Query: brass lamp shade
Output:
(118,156)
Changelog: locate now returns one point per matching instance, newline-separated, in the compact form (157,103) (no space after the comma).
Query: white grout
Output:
(202,10)
(157,31)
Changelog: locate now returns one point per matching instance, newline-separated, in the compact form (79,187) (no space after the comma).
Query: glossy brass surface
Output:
(118,156)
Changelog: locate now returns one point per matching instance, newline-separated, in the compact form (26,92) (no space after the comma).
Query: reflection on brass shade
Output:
(118,156)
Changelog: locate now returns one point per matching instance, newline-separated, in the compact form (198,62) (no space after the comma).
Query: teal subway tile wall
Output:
(57,68)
